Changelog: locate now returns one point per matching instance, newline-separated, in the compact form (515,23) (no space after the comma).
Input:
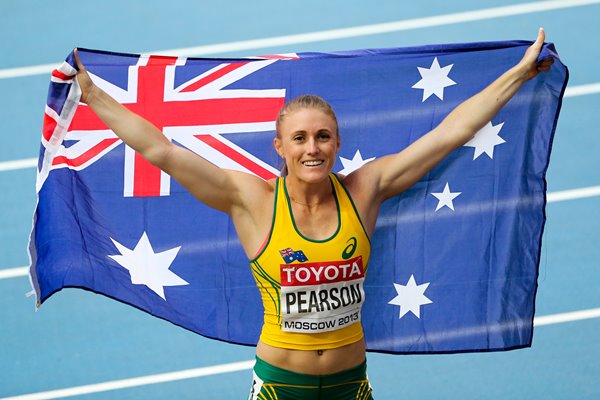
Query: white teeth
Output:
(313,163)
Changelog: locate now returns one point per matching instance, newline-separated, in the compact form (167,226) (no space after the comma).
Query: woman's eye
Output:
(298,138)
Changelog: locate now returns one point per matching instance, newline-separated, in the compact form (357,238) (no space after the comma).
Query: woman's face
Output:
(308,143)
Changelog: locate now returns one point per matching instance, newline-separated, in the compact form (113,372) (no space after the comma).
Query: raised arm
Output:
(213,186)
(390,175)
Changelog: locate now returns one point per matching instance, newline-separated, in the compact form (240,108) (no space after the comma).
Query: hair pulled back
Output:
(305,101)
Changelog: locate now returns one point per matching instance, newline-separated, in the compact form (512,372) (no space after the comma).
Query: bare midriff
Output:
(313,362)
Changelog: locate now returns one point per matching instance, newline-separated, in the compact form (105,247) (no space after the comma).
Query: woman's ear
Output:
(278,146)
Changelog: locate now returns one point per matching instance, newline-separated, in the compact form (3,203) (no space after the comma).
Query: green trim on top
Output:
(337,205)
(259,271)
(272,223)
(353,207)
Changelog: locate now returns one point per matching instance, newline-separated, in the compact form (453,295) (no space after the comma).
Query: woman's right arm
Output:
(217,188)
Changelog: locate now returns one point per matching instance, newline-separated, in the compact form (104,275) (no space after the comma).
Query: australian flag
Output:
(289,255)
(455,258)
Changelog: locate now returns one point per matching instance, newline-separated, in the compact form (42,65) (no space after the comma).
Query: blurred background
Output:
(82,345)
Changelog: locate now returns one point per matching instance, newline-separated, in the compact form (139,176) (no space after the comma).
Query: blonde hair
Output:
(299,103)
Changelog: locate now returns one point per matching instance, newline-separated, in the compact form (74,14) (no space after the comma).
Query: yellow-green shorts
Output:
(273,383)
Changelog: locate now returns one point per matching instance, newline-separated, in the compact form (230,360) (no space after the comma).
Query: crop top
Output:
(312,290)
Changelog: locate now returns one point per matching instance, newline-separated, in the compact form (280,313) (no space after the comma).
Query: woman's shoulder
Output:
(251,183)
(356,181)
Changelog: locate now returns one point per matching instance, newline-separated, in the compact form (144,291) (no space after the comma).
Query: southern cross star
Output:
(446,197)
(434,80)
(354,164)
(485,140)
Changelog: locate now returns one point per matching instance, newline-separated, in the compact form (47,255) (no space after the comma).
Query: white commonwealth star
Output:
(147,267)
(354,164)
(434,80)
(410,297)
(485,140)
(445,198)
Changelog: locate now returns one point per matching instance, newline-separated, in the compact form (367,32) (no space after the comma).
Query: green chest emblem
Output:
(350,248)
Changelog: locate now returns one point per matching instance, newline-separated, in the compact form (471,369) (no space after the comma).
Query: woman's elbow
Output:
(160,155)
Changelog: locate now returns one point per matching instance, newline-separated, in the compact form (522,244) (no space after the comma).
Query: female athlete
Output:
(312,209)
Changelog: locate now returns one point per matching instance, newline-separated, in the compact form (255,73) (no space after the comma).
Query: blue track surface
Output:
(78,338)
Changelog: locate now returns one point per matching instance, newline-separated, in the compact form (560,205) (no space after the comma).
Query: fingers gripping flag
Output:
(454,259)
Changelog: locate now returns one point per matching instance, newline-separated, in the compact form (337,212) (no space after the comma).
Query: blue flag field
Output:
(454,259)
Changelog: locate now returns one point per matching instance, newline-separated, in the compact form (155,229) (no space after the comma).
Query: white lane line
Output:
(566,317)
(140,381)
(237,366)
(14,272)
(343,33)
(17,72)
(582,90)
(18,164)
(24,163)
(388,27)
(573,194)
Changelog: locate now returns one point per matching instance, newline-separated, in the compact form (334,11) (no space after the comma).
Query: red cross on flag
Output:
(196,114)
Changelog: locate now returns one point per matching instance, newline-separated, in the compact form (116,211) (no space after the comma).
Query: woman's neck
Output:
(308,195)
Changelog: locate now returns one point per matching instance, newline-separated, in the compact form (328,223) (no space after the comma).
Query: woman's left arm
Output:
(390,175)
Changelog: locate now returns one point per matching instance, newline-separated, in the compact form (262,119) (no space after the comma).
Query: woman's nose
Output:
(313,147)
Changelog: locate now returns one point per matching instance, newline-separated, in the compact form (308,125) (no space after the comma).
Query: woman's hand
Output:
(529,65)
(88,88)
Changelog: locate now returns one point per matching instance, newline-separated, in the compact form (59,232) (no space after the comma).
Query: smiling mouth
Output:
(312,163)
